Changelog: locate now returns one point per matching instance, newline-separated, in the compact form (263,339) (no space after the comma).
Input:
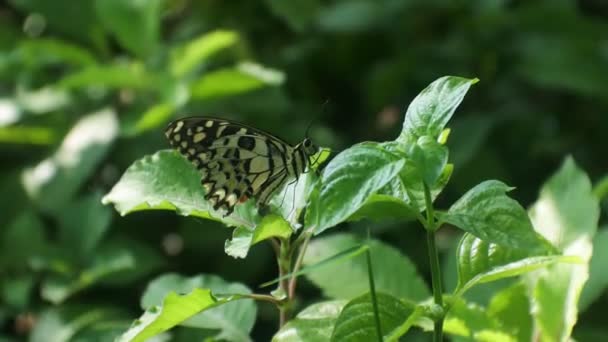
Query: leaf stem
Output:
(431,227)
(372,291)
(293,280)
(284,262)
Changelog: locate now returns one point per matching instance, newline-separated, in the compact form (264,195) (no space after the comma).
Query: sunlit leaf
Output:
(54,181)
(234,320)
(184,59)
(566,213)
(314,323)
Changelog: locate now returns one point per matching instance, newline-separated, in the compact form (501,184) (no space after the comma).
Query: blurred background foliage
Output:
(86,88)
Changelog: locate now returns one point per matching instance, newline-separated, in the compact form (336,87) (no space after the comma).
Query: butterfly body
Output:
(237,162)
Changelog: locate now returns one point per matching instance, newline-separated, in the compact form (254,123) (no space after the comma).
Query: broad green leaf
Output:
(598,279)
(233,81)
(314,323)
(356,321)
(152,118)
(134,23)
(114,76)
(566,209)
(62,324)
(54,181)
(234,320)
(429,157)
(57,288)
(83,225)
(470,322)
(54,51)
(481,262)
(239,245)
(431,110)
(244,238)
(394,273)
(511,307)
(381,207)
(566,213)
(175,309)
(271,226)
(488,213)
(167,181)
(186,58)
(348,181)
(298,14)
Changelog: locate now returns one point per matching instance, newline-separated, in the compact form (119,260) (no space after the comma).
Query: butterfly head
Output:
(308,147)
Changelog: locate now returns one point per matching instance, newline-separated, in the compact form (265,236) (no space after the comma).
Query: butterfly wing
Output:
(237,162)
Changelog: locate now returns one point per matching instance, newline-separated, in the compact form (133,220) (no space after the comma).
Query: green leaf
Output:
(174,310)
(233,81)
(167,181)
(394,273)
(234,320)
(54,181)
(58,288)
(473,322)
(431,110)
(598,278)
(511,307)
(54,51)
(134,23)
(566,209)
(271,226)
(314,323)
(356,321)
(61,324)
(481,262)
(83,224)
(113,76)
(152,118)
(566,213)
(348,181)
(31,135)
(430,158)
(486,212)
(185,58)
(244,238)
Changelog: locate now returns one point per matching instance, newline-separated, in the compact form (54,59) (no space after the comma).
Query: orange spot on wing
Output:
(243,199)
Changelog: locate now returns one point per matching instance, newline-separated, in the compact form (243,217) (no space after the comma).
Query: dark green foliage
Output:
(89,86)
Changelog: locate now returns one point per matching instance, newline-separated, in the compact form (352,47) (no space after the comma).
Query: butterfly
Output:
(238,162)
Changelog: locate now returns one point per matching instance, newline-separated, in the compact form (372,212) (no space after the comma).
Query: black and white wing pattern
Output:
(237,162)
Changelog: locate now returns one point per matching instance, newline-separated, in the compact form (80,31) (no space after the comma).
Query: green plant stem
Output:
(434,261)
(293,280)
(372,291)
(284,262)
